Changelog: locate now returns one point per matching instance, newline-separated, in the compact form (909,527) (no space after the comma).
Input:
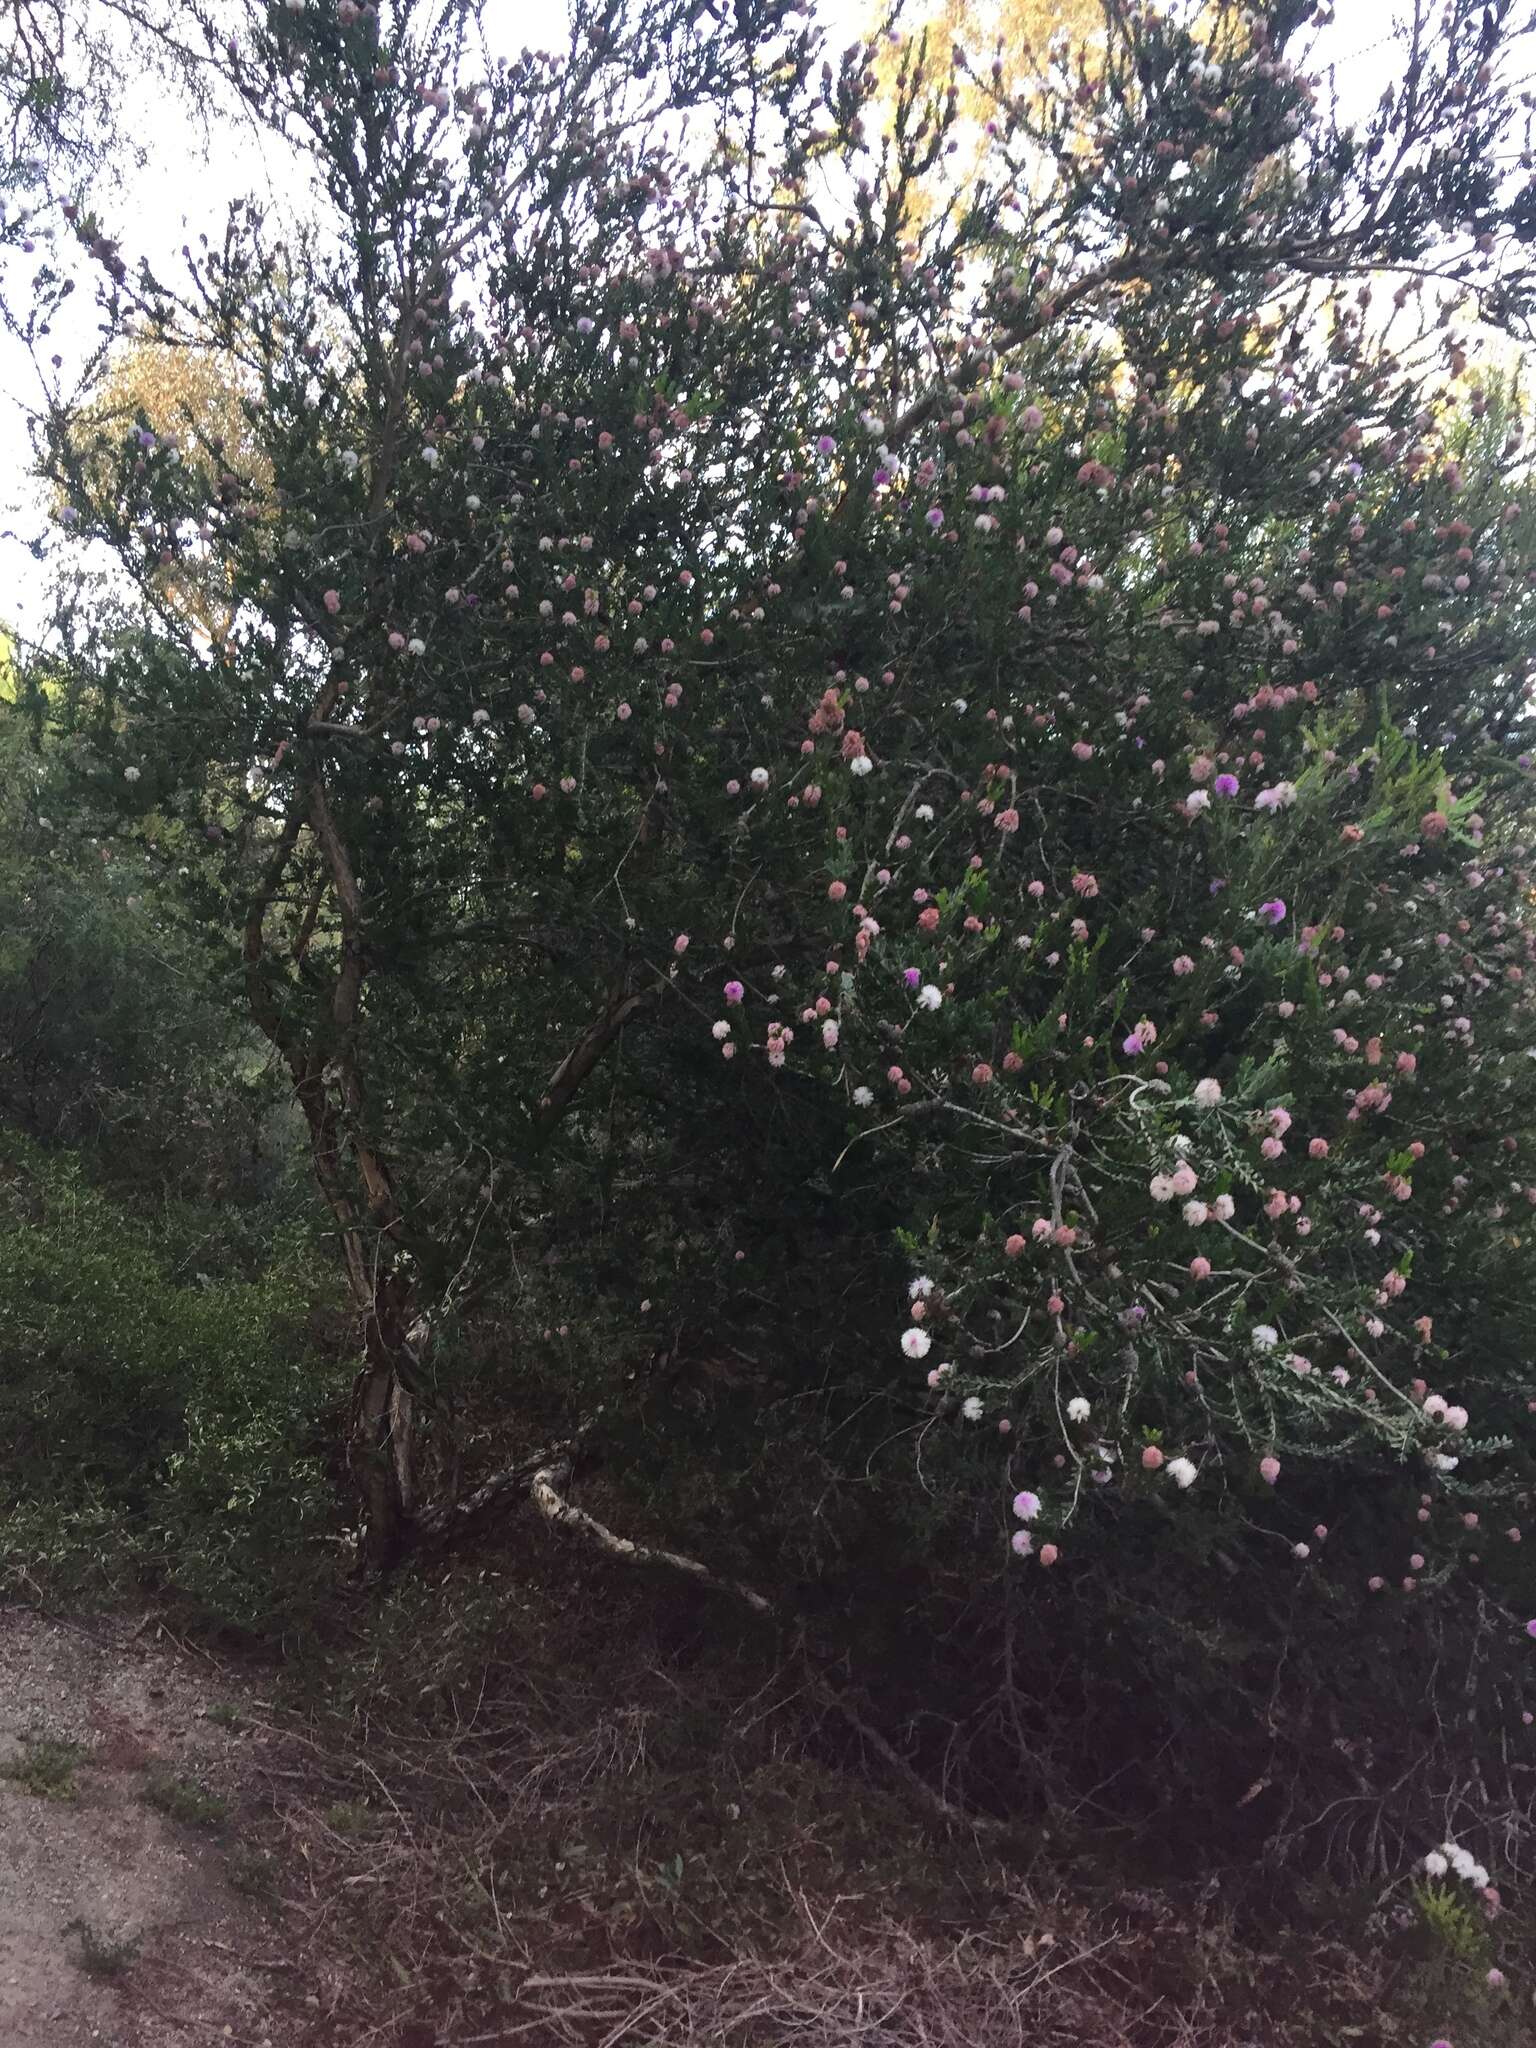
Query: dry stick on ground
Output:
(551,1502)
(897,1991)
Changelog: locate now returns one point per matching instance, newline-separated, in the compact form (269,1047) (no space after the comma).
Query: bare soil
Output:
(121,1925)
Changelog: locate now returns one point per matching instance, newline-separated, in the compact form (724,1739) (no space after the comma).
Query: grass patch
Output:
(254,1874)
(182,1799)
(225,1716)
(348,1817)
(46,1767)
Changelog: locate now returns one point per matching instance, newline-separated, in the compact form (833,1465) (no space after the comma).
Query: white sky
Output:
(182,191)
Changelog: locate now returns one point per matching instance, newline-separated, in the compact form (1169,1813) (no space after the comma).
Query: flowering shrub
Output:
(1224,1207)
(765,725)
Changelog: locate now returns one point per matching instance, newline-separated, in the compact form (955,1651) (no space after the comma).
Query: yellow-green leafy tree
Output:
(192,402)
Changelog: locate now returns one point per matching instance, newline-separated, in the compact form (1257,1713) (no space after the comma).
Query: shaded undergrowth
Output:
(592,1806)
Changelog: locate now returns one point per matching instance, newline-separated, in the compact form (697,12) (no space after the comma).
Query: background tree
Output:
(192,400)
(112,1042)
(927,54)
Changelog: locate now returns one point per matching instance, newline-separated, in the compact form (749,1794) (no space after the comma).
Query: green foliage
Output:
(1452,1924)
(185,1801)
(113,1040)
(45,1767)
(158,1427)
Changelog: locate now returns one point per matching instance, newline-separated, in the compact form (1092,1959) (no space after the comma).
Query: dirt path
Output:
(122,1921)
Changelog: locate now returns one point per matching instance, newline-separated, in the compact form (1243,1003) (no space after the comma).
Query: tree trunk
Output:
(328,1086)
(380,1438)
(381,1434)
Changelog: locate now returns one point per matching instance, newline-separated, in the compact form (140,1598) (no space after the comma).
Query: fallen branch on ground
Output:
(554,1507)
(450,1519)
(551,1502)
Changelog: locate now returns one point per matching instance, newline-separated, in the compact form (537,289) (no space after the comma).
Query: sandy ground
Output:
(105,1867)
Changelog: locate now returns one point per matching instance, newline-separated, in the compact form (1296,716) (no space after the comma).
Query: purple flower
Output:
(911,976)
(1132,1045)
(935,516)
(1026,1506)
(734,991)
(1530,1628)
(1273,912)
(1226,785)
(826,445)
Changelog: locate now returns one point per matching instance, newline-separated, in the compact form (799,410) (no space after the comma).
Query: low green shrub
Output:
(160,1427)
(45,1767)
(183,1800)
